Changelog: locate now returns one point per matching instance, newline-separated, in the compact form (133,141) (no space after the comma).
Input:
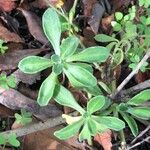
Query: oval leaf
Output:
(91,55)
(104,38)
(47,89)
(111,122)
(64,97)
(52,28)
(95,104)
(140,112)
(131,123)
(82,75)
(140,98)
(69,131)
(34,64)
(69,46)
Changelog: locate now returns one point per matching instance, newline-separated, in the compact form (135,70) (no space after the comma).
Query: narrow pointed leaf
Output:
(85,134)
(64,97)
(91,55)
(69,131)
(111,122)
(104,38)
(95,104)
(131,123)
(47,89)
(140,98)
(81,75)
(52,28)
(34,64)
(69,46)
(140,112)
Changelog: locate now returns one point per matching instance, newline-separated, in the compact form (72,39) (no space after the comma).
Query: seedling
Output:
(2,47)
(67,59)
(7,82)
(10,139)
(23,118)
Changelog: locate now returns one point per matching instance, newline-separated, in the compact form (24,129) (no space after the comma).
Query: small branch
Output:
(36,127)
(129,77)
(139,143)
(141,134)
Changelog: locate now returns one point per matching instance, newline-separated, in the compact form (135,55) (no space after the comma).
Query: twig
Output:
(141,134)
(139,143)
(128,78)
(52,122)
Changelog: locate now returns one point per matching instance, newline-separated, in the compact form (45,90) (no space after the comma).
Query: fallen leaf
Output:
(104,139)
(34,25)
(7,5)
(8,36)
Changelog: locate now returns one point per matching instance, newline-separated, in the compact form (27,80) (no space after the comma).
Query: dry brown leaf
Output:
(104,139)
(34,25)
(7,5)
(8,36)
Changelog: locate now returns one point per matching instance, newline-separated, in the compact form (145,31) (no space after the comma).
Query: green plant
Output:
(7,82)
(67,59)
(145,3)
(88,124)
(134,108)
(10,139)
(2,47)
(24,118)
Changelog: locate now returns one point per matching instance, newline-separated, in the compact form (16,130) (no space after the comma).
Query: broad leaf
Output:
(140,98)
(85,66)
(140,112)
(118,16)
(34,64)
(92,126)
(111,122)
(52,28)
(2,139)
(69,46)
(47,89)
(104,38)
(82,75)
(85,134)
(94,90)
(91,55)
(131,123)
(64,97)
(95,104)
(69,131)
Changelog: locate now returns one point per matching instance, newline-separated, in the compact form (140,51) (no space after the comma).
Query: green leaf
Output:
(116,26)
(85,134)
(140,112)
(105,87)
(104,38)
(83,76)
(118,16)
(34,64)
(91,55)
(13,141)
(95,104)
(2,139)
(11,81)
(140,98)
(52,28)
(47,89)
(92,126)
(94,90)
(57,68)
(69,46)
(69,131)
(86,66)
(64,97)
(111,122)
(131,123)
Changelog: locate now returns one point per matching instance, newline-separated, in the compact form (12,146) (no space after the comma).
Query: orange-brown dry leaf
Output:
(7,5)
(104,139)
(8,36)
